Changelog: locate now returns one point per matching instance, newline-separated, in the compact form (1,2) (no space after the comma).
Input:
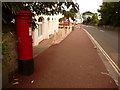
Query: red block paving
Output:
(73,63)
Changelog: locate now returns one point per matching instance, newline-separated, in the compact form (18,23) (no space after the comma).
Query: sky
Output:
(89,5)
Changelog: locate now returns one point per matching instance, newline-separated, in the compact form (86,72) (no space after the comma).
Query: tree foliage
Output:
(47,8)
(110,13)
(9,9)
(94,19)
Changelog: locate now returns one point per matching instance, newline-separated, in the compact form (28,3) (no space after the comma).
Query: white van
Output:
(77,21)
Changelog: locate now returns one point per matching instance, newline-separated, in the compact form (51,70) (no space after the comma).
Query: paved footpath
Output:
(73,63)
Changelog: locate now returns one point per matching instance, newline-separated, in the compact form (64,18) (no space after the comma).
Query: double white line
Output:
(117,69)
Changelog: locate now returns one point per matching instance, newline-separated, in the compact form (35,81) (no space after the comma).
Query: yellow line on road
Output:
(104,53)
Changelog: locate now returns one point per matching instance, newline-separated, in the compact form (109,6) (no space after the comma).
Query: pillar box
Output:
(24,44)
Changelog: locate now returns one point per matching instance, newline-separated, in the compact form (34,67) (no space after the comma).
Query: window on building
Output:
(40,19)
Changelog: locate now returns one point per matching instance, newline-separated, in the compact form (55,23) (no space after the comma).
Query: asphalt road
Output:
(108,40)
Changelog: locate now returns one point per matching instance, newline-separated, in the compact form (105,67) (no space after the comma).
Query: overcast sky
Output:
(89,5)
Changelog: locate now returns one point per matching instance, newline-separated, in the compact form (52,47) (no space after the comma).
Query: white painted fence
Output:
(45,28)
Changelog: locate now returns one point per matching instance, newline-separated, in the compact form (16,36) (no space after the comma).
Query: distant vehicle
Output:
(77,21)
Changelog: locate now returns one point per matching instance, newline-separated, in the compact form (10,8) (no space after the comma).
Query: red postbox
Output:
(24,45)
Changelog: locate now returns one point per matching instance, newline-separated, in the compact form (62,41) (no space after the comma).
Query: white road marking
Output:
(105,54)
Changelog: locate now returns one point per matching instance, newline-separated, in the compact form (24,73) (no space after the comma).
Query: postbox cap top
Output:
(24,12)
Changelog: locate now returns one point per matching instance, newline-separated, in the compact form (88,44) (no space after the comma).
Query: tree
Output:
(110,13)
(90,18)
(69,14)
(9,8)
(94,19)
(72,12)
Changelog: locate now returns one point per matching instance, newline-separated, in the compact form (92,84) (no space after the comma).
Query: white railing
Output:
(45,28)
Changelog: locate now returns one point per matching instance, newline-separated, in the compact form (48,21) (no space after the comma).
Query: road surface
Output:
(108,39)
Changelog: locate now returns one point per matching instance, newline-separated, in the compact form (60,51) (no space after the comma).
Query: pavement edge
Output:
(103,55)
